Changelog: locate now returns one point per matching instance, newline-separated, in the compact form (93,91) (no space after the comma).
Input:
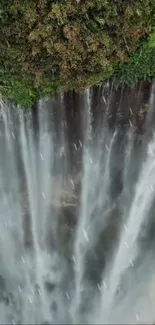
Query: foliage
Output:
(141,65)
(47,45)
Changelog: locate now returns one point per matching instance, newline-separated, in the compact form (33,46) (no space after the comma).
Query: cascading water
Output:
(76,214)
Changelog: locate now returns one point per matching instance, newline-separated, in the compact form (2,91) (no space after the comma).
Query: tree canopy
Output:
(48,45)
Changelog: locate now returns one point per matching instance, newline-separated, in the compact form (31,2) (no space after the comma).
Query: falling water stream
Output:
(77,202)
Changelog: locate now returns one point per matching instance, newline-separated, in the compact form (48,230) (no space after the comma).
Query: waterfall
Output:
(77,199)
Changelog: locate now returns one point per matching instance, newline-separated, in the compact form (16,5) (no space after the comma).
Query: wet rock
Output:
(5,299)
(2,284)
(49,286)
(54,306)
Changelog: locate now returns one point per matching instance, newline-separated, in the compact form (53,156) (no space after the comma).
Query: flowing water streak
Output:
(127,249)
(11,164)
(127,180)
(91,202)
(151,106)
(88,134)
(11,250)
(44,160)
(29,159)
(127,160)
(51,258)
(81,240)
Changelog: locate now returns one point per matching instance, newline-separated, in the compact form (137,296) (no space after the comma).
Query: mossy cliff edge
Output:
(47,46)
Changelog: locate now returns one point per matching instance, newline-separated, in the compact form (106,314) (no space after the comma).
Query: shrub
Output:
(141,65)
(70,44)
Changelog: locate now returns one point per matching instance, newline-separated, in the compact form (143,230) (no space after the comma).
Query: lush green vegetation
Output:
(141,65)
(50,45)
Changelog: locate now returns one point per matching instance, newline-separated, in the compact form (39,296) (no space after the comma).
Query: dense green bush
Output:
(49,45)
(141,65)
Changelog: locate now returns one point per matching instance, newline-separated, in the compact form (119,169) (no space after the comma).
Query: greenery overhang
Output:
(47,46)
